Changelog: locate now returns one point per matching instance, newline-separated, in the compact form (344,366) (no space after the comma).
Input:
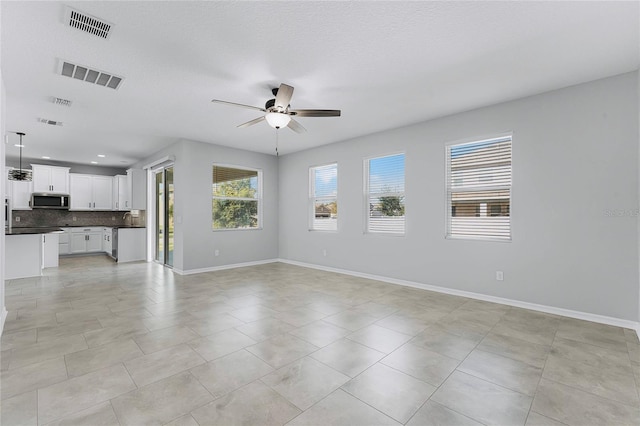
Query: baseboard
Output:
(223,267)
(3,319)
(633,325)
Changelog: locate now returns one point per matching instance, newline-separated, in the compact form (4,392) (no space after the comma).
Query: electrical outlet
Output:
(499,276)
(75,218)
(324,252)
(113,218)
(216,253)
(17,218)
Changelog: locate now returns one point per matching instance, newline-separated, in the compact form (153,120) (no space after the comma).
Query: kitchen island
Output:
(29,250)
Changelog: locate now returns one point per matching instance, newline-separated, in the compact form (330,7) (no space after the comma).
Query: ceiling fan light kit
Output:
(278,113)
(277,120)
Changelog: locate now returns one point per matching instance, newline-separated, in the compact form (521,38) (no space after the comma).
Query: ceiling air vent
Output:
(89,75)
(61,102)
(50,122)
(87,23)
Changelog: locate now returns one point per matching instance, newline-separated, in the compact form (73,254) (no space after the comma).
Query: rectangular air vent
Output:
(50,122)
(89,75)
(87,23)
(61,102)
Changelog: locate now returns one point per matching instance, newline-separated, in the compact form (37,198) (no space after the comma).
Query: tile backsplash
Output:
(38,218)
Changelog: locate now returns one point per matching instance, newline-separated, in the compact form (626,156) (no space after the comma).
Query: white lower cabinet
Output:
(64,241)
(107,244)
(50,246)
(86,240)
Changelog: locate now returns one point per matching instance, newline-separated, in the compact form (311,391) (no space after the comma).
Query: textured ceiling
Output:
(384,64)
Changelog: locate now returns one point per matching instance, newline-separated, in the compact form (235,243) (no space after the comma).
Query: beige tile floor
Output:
(94,343)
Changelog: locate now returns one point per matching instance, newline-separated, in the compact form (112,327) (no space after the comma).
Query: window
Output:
(384,194)
(236,198)
(479,189)
(323,197)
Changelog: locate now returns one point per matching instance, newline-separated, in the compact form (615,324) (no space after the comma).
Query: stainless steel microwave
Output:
(49,200)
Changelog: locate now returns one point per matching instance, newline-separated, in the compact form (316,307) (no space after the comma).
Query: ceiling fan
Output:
(277,111)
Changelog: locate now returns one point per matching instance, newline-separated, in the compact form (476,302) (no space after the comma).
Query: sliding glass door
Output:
(164,191)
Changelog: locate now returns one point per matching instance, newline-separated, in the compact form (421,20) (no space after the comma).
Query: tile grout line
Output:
(535,393)
(456,369)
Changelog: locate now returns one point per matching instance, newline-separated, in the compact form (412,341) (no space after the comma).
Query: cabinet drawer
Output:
(87,229)
(63,248)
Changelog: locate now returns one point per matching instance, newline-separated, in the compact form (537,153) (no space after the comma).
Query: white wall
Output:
(195,241)
(575,160)
(3,105)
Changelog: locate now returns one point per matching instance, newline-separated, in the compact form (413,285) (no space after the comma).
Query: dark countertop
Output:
(39,230)
(17,230)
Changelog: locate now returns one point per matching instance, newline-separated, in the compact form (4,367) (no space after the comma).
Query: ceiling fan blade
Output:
(217,101)
(296,127)
(315,112)
(284,96)
(251,123)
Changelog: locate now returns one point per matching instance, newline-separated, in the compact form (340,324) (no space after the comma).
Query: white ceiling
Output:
(384,64)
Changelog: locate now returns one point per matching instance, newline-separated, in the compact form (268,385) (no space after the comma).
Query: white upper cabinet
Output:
(102,193)
(20,194)
(91,192)
(50,179)
(121,190)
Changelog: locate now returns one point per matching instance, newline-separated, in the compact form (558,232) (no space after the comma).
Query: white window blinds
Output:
(323,197)
(479,189)
(384,193)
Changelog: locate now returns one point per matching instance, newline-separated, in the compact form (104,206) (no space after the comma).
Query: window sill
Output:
(469,238)
(385,234)
(237,229)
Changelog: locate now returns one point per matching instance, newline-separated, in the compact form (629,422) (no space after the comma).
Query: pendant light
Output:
(21,175)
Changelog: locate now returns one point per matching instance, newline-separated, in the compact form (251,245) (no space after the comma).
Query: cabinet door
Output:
(94,241)
(106,240)
(63,248)
(64,241)
(60,180)
(123,193)
(80,187)
(50,250)
(41,179)
(78,242)
(102,192)
(21,195)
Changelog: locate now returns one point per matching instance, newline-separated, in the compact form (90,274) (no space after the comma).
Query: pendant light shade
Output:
(21,175)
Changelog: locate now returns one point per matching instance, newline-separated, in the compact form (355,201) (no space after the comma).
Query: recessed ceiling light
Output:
(94,162)
(45,157)
(101,155)
(18,145)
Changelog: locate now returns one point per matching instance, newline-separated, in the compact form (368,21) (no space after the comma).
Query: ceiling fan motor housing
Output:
(270,103)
